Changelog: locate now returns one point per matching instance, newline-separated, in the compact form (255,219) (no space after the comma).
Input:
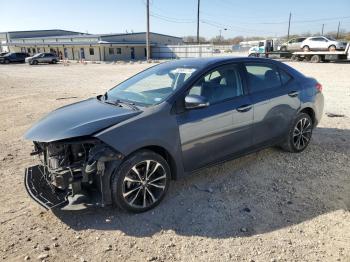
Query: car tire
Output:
(295,58)
(332,48)
(141,181)
(35,62)
(315,59)
(306,48)
(54,61)
(307,58)
(299,134)
(7,61)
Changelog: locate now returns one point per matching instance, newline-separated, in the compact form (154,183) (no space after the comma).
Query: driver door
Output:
(223,128)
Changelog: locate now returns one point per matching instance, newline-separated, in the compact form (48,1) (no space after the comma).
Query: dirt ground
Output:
(268,206)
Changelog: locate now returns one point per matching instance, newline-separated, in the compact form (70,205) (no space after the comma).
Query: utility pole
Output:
(322,29)
(199,1)
(338,30)
(148,49)
(290,17)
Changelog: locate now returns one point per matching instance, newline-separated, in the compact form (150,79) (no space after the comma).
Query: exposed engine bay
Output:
(71,167)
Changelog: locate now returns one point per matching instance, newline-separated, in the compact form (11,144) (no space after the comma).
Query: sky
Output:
(178,18)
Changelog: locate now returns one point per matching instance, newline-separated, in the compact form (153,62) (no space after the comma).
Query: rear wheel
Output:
(306,48)
(307,58)
(283,48)
(295,58)
(299,135)
(315,59)
(54,61)
(141,182)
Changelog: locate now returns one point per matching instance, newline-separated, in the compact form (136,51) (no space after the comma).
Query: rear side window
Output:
(262,77)
(285,78)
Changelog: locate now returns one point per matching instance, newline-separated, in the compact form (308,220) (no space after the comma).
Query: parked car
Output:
(292,44)
(322,43)
(167,122)
(42,58)
(13,58)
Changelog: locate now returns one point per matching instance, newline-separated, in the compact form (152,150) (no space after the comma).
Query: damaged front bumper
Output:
(40,190)
(72,171)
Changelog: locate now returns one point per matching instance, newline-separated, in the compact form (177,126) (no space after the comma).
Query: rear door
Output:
(275,98)
(224,127)
(15,57)
(48,58)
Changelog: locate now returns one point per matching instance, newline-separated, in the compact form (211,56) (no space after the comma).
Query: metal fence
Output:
(181,51)
(193,51)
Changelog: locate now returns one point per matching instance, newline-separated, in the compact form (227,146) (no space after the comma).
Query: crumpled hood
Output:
(78,119)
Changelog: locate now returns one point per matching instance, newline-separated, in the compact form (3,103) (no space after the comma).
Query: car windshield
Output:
(151,86)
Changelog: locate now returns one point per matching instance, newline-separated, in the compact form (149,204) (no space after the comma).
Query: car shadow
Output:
(259,193)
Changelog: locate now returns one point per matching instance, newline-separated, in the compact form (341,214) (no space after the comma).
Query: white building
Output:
(76,46)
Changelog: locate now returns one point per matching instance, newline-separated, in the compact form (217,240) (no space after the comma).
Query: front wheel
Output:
(299,135)
(332,48)
(141,182)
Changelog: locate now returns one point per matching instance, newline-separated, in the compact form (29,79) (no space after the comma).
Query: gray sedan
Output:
(42,58)
(167,122)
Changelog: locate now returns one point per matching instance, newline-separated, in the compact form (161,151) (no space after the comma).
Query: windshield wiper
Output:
(119,102)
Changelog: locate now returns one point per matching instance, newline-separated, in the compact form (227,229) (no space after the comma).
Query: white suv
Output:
(321,43)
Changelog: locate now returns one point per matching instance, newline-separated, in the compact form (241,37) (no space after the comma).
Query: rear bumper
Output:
(41,191)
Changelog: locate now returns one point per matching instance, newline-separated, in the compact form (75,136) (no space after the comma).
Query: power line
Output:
(172,19)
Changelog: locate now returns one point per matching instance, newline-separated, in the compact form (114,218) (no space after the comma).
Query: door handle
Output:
(293,93)
(244,108)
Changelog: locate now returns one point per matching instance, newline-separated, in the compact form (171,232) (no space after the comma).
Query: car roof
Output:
(208,61)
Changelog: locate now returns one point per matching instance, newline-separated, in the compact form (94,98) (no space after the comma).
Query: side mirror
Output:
(195,101)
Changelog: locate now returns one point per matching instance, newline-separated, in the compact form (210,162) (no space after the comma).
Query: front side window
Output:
(153,85)
(262,77)
(220,84)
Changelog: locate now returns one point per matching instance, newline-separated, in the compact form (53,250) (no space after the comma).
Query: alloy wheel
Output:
(144,184)
(302,133)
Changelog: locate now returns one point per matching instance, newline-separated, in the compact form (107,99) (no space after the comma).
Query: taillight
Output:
(319,87)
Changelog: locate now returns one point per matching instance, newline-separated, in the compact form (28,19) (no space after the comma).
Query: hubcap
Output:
(302,133)
(144,184)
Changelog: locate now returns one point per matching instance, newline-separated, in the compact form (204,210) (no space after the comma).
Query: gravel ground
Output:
(268,206)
